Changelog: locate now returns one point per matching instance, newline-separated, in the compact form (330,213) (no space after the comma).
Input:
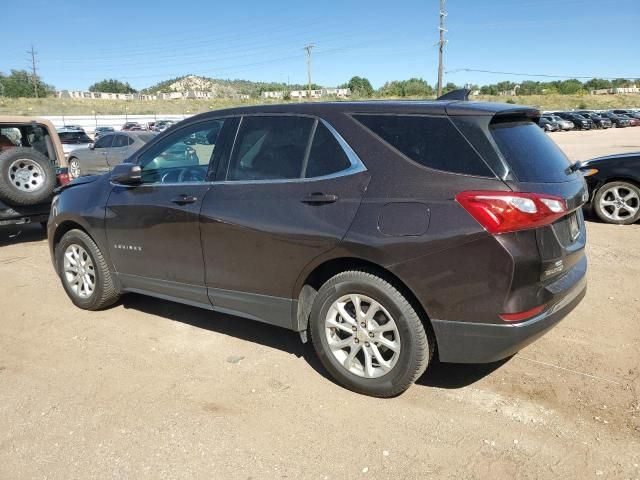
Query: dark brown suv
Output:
(392,232)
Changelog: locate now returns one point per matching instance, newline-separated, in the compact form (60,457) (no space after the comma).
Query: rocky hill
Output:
(221,88)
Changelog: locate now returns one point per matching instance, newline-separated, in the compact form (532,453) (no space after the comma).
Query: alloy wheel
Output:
(362,335)
(74,169)
(619,203)
(79,272)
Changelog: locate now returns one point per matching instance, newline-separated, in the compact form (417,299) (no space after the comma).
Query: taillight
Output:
(63,177)
(502,212)
(518,316)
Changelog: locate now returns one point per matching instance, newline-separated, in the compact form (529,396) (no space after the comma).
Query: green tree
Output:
(571,86)
(449,87)
(20,84)
(414,87)
(597,83)
(360,87)
(112,86)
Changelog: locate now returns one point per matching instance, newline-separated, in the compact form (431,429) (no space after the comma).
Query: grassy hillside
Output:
(56,106)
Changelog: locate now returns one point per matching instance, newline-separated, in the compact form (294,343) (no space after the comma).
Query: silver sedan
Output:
(108,151)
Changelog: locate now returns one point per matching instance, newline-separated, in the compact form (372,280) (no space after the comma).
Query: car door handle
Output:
(318,198)
(184,199)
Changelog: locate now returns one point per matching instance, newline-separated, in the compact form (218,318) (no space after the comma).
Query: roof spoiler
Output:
(460,94)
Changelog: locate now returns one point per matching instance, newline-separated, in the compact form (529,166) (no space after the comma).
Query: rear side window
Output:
(431,141)
(270,148)
(326,155)
(531,155)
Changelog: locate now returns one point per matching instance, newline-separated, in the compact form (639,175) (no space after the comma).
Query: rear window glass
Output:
(431,141)
(531,155)
(74,137)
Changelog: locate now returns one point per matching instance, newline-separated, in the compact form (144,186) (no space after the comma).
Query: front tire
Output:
(368,336)
(84,272)
(618,203)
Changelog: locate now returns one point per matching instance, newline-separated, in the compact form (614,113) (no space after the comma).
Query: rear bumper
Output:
(15,215)
(466,342)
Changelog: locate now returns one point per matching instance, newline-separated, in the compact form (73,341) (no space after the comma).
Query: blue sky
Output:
(142,42)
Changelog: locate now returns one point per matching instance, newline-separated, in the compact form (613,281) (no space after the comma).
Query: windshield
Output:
(74,137)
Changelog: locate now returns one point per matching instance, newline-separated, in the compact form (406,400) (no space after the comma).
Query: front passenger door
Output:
(153,228)
(96,158)
(118,150)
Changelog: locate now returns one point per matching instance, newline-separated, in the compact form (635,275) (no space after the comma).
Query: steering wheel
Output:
(191,174)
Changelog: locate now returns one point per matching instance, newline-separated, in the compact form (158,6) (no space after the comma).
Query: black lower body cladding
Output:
(464,342)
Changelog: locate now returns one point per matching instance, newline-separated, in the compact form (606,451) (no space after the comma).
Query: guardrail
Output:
(90,122)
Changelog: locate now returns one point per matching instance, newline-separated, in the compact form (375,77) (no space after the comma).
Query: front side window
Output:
(270,148)
(120,141)
(104,142)
(183,156)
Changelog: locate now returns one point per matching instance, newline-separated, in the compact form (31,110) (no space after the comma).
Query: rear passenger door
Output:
(288,193)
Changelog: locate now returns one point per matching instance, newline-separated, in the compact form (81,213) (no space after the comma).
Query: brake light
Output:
(502,212)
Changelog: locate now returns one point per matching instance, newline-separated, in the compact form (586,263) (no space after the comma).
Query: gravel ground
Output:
(155,389)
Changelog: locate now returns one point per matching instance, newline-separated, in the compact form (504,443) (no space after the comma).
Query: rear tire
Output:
(27,177)
(617,203)
(75,170)
(84,272)
(379,354)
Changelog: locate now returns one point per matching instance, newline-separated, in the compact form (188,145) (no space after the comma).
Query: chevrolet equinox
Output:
(392,233)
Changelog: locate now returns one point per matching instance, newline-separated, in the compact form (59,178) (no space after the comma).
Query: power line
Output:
(308,49)
(520,74)
(441,43)
(33,70)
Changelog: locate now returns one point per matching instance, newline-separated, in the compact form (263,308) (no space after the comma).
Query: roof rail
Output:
(460,94)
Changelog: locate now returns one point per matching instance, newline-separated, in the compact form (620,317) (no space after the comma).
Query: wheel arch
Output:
(61,229)
(322,272)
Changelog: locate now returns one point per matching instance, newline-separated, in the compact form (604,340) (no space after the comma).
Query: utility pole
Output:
(441,43)
(33,70)
(308,49)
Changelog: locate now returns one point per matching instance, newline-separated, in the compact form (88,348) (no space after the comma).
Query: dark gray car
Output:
(387,233)
(109,150)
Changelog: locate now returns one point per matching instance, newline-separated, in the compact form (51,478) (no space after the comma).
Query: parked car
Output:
(99,131)
(562,123)
(32,164)
(633,114)
(614,187)
(109,150)
(74,127)
(390,231)
(129,126)
(598,121)
(73,139)
(579,122)
(548,125)
(616,120)
(633,121)
(162,126)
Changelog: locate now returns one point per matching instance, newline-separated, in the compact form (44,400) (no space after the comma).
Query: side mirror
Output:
(92,146)
(126,174)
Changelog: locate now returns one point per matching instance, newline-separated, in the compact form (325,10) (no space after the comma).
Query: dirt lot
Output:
(156,389)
